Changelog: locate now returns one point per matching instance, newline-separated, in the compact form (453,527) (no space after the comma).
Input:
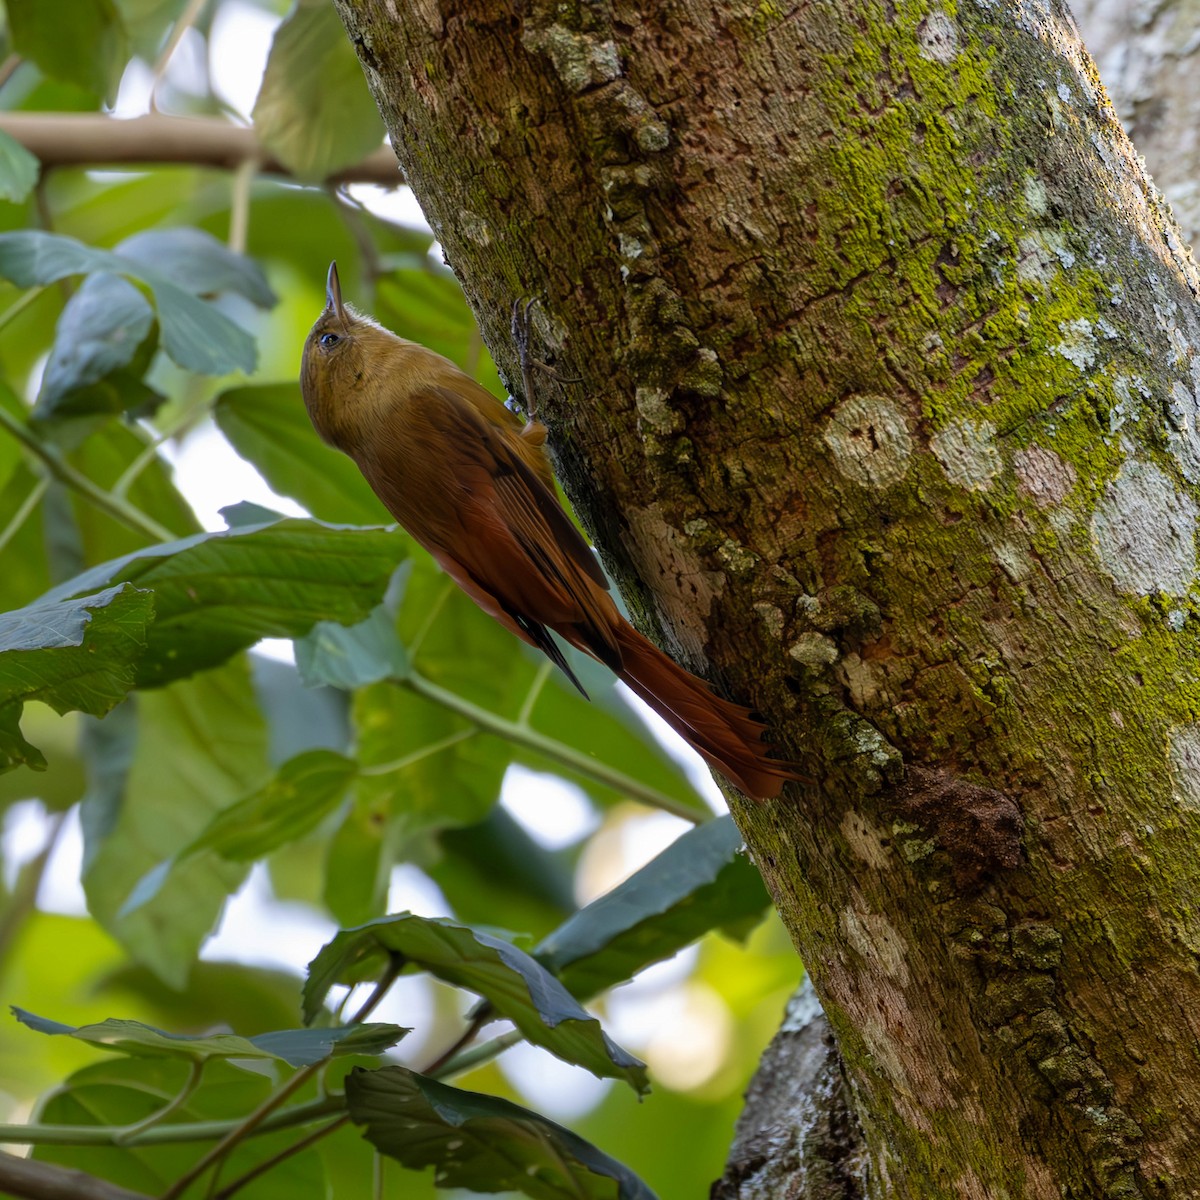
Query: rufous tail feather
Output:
(722,732)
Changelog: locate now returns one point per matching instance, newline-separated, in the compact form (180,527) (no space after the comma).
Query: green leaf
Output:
(516,986)
(268,425)
(199,263)
(350,656)
(77,41)
(701,881)
(195,334)
(18,169)
(99,330)
(315,130)
(76,654)
(305,791)
(217,593)
(296,1047)
(123,1091)
(205,739)
(481,1143)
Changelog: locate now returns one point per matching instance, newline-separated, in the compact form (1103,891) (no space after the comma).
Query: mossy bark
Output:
(887,421)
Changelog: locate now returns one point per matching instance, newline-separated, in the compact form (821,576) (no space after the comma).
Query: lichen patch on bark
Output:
(1043,476)
(870,440)
(967,451)
(1144,532)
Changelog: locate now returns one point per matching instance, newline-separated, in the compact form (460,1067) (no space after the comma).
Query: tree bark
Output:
(887,423)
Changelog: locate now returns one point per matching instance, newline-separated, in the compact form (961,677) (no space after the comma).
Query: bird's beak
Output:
(333,293)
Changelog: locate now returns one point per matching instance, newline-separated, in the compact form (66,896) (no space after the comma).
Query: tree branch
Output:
(44,1181)
(93,139)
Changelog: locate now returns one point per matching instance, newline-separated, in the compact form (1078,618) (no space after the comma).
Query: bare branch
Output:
(44,1181)
(93,139)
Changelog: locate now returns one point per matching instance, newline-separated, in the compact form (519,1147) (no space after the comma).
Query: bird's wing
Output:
(513,538)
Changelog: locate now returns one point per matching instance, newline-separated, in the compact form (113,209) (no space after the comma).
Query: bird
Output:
(473,484)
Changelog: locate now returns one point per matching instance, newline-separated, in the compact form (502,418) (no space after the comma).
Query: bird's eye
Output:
(329,339)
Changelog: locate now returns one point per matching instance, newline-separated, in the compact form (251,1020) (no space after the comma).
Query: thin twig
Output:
(240,1132)
(22,514)
(239,204)
(469,1059)
(93,140)
(535,690)
(382,984)
(8,67)
(267,1164)
(62,470)
(190,1131)
(174,1104)
(483,1014)
(187,19)
(552,749)
(398,764)
(31,1180)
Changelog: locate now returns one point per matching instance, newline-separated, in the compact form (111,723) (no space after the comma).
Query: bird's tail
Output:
(722,732)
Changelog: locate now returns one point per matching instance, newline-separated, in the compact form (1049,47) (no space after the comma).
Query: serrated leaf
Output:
(99,331)
(76,41)
(702,881)
(269,426)
(516,986)
(195,334)
(216,593)
(18,169)
(76,654)
(199,263)
(315,131)
(481,1143)
(296,1047)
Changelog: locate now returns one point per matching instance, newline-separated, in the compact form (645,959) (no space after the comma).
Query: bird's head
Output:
(340,369)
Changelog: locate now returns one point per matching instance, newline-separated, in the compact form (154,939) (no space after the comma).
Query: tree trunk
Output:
(887,422)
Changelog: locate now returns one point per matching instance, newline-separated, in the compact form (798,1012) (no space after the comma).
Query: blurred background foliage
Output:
(151,324)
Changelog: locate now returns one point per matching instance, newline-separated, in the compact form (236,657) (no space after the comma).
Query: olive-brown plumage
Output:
(472,483)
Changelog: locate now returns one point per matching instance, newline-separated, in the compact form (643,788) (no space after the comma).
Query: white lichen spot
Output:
(630,247)
(870,440)
(1037,199)
(1040,253)
(653,408)
(1130,390)
(877,940)
(1043,476)
(937,38)
(771,615)
(866,841)
(814,649)
(1176,620)
(1079,342)
(474,227)
(580,60)
(967,451)
(1183,756)
(862,680)
(1183,434)
(1145,532)
(1064,93)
